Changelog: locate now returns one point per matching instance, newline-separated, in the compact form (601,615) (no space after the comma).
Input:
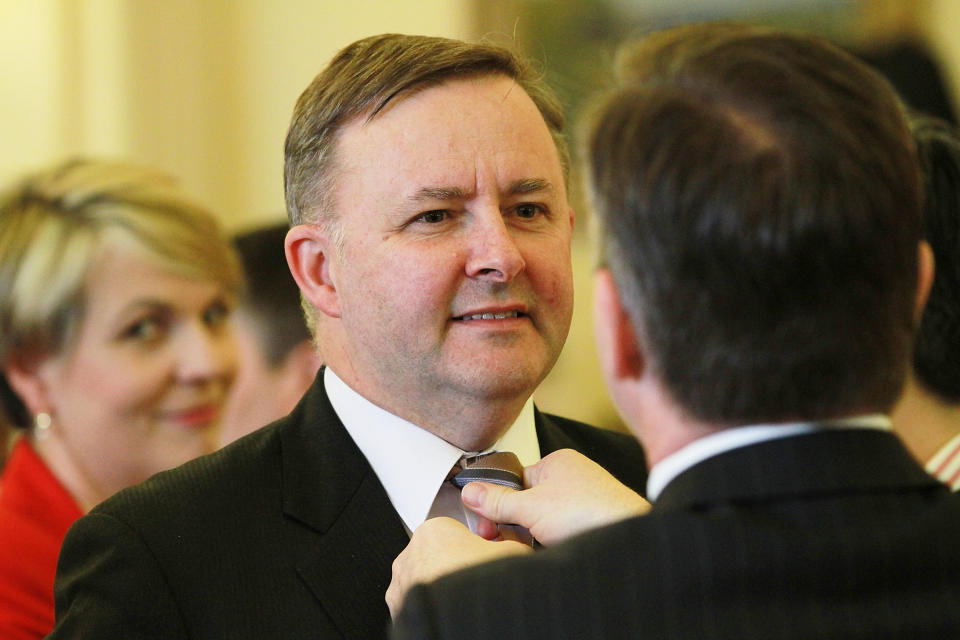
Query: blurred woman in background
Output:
(115,351)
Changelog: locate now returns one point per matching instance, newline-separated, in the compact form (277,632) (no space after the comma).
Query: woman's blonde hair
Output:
(53,225)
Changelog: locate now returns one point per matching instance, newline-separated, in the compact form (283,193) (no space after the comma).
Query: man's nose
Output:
(494,254)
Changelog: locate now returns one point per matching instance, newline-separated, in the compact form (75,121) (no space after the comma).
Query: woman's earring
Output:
(41,426)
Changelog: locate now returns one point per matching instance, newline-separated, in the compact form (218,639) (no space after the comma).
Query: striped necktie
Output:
(498,467)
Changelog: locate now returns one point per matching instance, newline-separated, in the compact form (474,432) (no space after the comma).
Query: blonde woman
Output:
(116,354)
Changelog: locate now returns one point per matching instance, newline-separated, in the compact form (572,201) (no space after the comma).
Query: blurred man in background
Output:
(277,358)
(426,184)
(928,415)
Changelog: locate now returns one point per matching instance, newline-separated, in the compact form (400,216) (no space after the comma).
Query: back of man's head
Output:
(759,206)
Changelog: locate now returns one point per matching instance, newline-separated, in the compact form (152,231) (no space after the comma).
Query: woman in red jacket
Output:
(115,350)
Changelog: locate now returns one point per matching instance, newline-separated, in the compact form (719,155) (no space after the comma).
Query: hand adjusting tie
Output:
(500,467)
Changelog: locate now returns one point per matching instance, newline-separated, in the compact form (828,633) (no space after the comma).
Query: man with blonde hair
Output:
(426,185)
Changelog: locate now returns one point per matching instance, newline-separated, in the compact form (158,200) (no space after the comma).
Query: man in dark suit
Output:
(927,417)
(759,206)
(426,185)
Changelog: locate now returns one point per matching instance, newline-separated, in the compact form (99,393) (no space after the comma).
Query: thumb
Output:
(493,502)
(561,459)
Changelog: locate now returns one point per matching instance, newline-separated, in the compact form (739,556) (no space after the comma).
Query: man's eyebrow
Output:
(519,187)
(438,193)
(529,185)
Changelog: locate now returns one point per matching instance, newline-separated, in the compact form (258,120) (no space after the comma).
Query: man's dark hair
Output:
(272,301)
(935,359)
(759,201)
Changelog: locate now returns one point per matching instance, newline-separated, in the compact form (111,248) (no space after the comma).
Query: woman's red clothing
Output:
(35,513)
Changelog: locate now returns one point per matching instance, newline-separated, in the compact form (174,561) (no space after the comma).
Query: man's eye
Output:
(433,217)
(528,211)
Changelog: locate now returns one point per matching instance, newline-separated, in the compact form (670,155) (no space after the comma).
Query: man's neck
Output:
(924,422)
(659,423)
(471,423)
(389,443)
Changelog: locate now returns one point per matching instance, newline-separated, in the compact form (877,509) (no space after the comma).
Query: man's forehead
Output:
(384,106)
(452,141)
(423,104)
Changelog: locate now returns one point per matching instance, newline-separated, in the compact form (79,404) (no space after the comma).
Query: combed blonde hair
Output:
(53,226)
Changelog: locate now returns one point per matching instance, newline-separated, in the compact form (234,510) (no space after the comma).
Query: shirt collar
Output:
(390,444)
(725,440)
(945,464)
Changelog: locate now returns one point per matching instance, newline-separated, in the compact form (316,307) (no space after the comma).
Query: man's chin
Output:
(511,381)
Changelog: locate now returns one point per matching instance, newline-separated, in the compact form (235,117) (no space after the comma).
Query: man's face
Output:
(454,282)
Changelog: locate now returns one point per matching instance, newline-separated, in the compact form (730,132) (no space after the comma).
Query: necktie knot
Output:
(499,467)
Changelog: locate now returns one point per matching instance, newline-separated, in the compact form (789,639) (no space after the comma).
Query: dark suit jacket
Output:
(287,533)
(837,534)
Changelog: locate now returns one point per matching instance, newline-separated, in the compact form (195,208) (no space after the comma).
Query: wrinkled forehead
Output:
(453,135)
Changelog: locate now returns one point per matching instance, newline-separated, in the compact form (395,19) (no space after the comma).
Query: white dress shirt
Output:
(390,443)
(714,444)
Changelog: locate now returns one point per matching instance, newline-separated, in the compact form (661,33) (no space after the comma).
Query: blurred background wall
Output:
(205,88)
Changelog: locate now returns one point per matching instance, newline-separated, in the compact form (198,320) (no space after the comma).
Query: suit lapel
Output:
(350,569)
(828,461)
(550,437)
(329,486)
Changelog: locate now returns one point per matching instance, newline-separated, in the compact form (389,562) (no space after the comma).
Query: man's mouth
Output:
(499,315)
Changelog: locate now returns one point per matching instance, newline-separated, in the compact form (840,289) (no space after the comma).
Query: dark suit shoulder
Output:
(208,546)
(619,453)
(205,485)
(243,477)
(751,574)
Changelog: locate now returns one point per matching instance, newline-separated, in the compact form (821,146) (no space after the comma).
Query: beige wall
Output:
(201,88)
(943,28)
(205,88)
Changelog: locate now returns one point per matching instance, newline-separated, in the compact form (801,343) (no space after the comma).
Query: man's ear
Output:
(312,260)
(925,274)
(25,376)
(620,354)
